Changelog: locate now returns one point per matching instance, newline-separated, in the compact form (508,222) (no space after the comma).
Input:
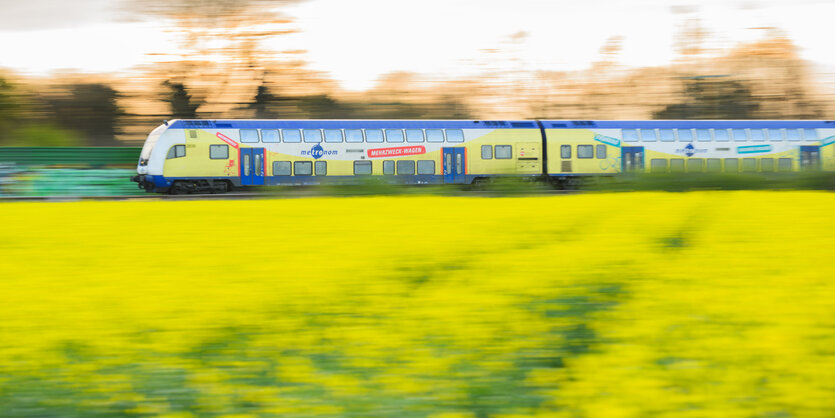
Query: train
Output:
(197,156)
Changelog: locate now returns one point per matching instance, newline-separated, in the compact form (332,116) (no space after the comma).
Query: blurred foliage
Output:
(640,304)
(43,136)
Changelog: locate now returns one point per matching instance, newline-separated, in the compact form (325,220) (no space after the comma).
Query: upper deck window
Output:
(249,136)
(312,135)
(740,135)
(630,135)
(353,135)
(667,135)
(775,134)
(394,135)
(333,135)
(721,135)
(793,134)
(757,135)
(374,135)
(703,135)
(269,135)
(810,134)
(414,135)
(685,135)
(648,135)
(291,135)
(434,135)
(454,135)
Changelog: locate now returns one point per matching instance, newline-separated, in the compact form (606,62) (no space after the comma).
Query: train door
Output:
(252,166)
(632,159)
(810,158)
(454,164)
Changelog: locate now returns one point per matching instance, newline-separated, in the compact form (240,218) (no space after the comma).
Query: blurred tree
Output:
(9,105)
(180,101)
(711,98)
(89,109)
(43,135)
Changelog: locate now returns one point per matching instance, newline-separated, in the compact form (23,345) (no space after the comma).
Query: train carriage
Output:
(201,155)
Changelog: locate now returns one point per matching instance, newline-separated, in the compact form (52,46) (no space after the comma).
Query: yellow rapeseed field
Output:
(633,304)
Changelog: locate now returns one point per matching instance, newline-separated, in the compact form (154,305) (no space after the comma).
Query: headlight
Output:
(142,170)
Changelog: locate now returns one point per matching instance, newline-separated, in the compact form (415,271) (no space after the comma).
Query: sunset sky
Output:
(357,41)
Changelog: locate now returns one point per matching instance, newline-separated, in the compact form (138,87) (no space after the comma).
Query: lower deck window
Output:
(486,152)
(282,168)
(388,167)
(749,164)
(784,164)
(405,167)
(504,152)
(658,165)
(565,151)
(321,168)
(426,167)
(362,167)
(601,151)
(694,165)
(677,165)
(585,151)
(219,152)
(767,164)
(714,165)
(731,165)
(303,168)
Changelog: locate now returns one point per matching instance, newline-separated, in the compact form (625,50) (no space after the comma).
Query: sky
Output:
(357,41)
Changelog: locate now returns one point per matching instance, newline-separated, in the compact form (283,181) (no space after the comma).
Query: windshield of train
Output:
(149,144)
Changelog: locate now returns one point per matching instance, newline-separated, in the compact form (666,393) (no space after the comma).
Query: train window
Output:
(694,165)
(486,152)
(585,151)
(757,135)
(647,135)
(249,136)
(775,134)
(784,164)
(731,165)
(303,168)
(793,134)
(714,165)
(374,135)
(703,135)
(192,133)
(504,152)
(394,135)
(176,151)
(721,135)
(426,167)
(630,135)
(434,135)
(677,165)
(291,135)
(601,151)
(667,135)
(333,135)
(312,135)
(362,168)
(658,165)
(740,135)
(269,135)
(767,164)
(219,152)
(454,135)
(281,168)
(405,167)
(685,135)
(321,168)
(565,151)
(749,164)
(388,167)
(414,135)
(810,134)
(353,135)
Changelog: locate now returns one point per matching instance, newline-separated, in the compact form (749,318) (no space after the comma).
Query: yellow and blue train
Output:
(183,156)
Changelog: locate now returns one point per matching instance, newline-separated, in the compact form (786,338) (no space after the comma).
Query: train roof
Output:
(671,124)
(350,124)
(488,124)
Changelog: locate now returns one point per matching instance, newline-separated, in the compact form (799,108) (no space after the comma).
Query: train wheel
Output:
(177,188)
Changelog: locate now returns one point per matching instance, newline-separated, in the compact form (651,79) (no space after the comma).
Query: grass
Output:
(627,304)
